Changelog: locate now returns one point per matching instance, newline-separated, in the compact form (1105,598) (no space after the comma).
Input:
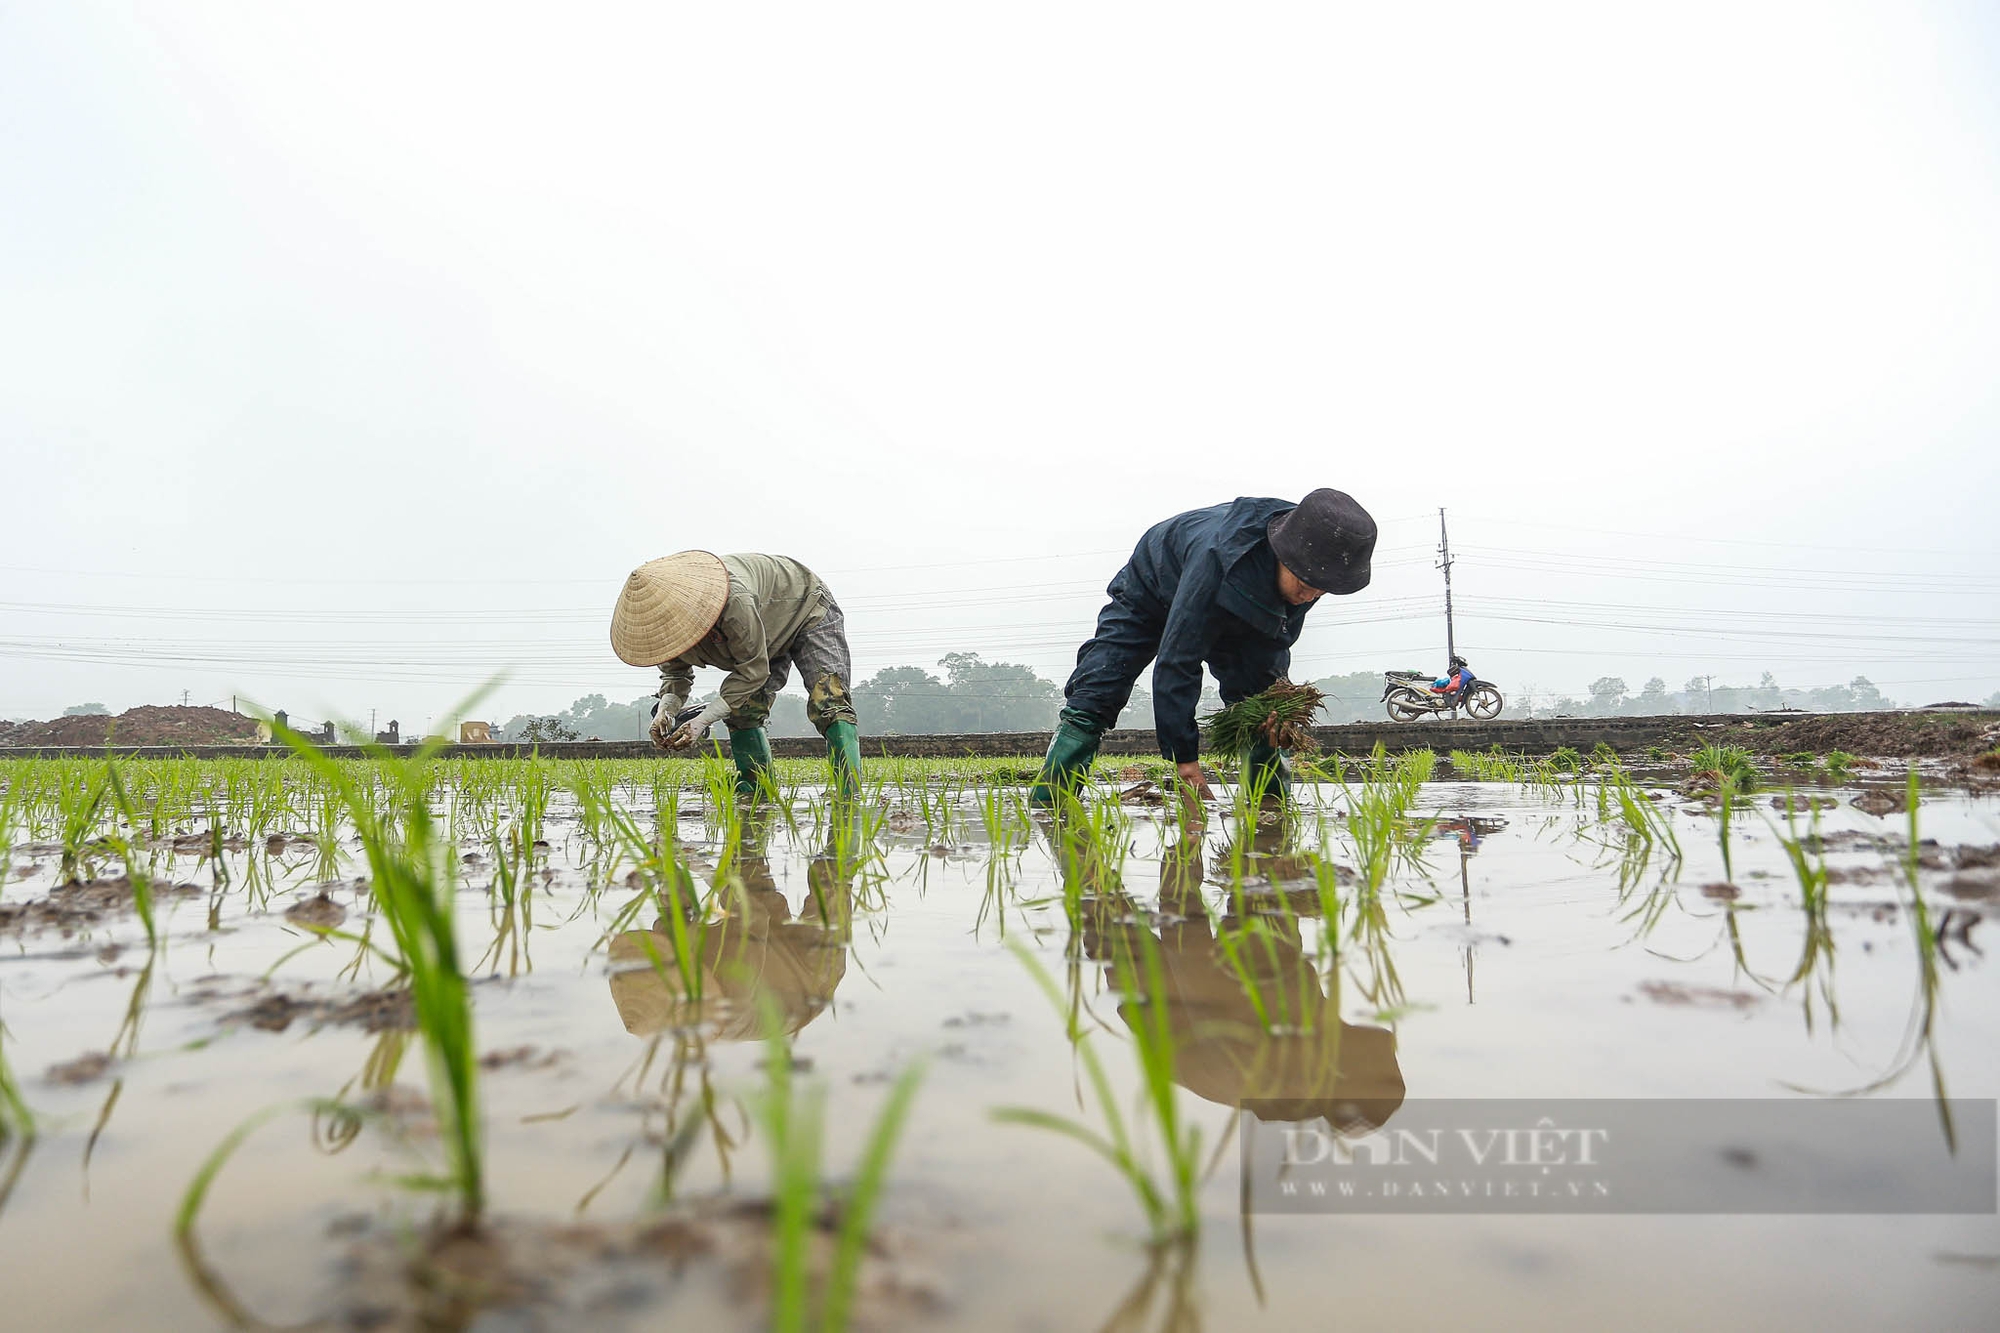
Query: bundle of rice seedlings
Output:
(1279,716)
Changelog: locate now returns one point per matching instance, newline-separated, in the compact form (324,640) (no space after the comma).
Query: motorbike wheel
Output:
(1483,702)
(1407,706)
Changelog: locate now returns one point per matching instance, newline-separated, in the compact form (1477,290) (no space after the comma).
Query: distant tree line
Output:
(1610,697)
(969,694)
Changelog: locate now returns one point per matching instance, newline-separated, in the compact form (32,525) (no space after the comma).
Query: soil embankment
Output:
(1900,735)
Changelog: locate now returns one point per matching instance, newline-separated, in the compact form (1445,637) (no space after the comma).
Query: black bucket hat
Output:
(1327,541)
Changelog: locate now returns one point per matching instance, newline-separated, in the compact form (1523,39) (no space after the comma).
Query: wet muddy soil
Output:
(1522,950)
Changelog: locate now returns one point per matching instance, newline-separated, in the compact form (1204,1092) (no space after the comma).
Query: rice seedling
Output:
(1090,842)
(1839,764)
(17,1127)
(1921,1033)
(1280,717)
(1488,766)
(510,906)
(1378,827)
(1816,949)
(136,875)
(1004,816)
(411,879)
(1172,1206)
(16,1120)
(671,887)
(12,798)
(1717,766)
(82,803)
(1642,818)
(793,1119)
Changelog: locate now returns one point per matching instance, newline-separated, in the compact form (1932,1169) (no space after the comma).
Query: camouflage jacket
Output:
(771,598)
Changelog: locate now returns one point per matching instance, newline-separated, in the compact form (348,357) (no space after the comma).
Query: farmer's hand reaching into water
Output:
(663,718)
(1193,787)
(695,728)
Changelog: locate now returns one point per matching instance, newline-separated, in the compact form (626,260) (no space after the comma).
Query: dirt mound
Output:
(1885,735)
(145,725)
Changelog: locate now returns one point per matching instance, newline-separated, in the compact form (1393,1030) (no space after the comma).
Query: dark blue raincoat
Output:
(1201,587)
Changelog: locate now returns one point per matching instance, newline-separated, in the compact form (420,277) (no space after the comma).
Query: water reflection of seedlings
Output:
(1814,969)
(17,1126)
(793,1118)
(1254,940)
(1920,1034)
(689,1054)
(1172,1206)
(336,1123)
(124,1045)
(1919,1038)
(510,907)
(1169,1281)
(682,1128)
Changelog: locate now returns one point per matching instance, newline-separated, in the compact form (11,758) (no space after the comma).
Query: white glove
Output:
(695,728)
(663,718)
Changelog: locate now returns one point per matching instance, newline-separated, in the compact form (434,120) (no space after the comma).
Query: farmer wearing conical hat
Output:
(756,617)
(1228,587)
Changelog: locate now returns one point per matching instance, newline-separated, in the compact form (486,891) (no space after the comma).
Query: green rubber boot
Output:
(1265,774)
(843,751)
(1070,751)
(751,750)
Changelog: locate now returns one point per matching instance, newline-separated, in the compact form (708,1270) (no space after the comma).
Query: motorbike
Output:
(1408,696)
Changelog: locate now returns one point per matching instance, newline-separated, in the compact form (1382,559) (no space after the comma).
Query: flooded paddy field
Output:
(695,1039)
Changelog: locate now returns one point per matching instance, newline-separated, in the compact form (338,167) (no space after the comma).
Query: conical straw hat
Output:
(667,605)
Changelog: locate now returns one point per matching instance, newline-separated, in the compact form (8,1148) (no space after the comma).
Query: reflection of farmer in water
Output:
(759,947)
(1314,1067)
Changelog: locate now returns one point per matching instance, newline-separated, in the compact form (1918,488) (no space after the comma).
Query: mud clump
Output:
(519,1273)
(372,1011)
(86,1068)
(319,912)
(81,903)
(1697,997)
(1981,885)
(1881,801)
(145,725)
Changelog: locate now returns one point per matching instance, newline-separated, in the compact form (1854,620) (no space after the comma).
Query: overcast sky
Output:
(351,354)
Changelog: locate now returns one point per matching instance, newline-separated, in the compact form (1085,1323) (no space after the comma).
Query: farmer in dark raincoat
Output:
(1229,587)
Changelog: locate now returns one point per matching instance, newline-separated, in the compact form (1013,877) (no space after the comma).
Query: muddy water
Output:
(1512,965)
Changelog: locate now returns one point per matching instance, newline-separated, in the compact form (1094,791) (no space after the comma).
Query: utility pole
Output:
(184,698)
(1708,693)
(1444,563)
(371,724)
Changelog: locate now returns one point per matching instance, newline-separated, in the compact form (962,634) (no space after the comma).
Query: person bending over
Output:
(1228,586)
(754,616)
